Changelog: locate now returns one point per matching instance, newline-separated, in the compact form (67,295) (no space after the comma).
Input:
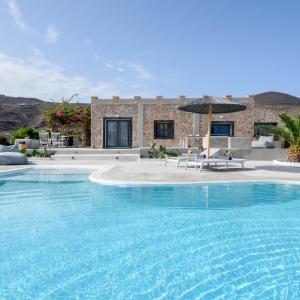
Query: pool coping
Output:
(153,183)
(97,171)
(17,169)
(94,177)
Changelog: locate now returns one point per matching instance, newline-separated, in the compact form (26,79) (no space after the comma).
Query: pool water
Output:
(63,237)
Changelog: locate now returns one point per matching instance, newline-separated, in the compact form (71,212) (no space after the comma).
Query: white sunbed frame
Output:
(180,159)
(190,157)
(216,162)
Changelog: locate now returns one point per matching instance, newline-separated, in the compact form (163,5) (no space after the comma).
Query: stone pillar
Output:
(250,99)
(140,121)
(196,124)
(94,99)
(181,100)
(115,99)
(159,99)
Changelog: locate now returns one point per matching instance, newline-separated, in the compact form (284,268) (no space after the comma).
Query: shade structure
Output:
(209,105)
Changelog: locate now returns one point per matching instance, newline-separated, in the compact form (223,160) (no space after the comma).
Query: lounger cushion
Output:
(13,158)
(264,142)
(13,148)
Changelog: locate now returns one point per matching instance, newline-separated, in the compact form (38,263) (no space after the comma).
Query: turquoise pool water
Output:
(63,237)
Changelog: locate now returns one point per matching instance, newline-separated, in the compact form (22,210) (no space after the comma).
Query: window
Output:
(222,128)
(258,131)
(164,129)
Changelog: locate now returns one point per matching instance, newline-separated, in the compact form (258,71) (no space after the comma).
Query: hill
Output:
(17,112)
(276,98)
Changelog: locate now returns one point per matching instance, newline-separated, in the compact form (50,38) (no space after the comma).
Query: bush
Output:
(40,153)
(161,152)
(3,140)
(27,132)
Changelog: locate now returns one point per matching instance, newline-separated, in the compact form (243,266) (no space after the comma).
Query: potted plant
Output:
(228,153)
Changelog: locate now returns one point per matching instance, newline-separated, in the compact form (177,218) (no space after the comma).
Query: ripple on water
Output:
(80,240)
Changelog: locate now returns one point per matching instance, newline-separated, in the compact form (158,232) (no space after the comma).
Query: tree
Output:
(83,113)
(290,133)
(70,119)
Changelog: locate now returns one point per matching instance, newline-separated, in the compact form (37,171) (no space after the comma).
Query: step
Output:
(95,151)
(111,157)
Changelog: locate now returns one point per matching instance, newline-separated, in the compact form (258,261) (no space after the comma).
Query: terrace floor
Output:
(148,171)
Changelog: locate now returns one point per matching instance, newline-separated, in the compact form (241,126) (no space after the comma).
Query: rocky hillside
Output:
(276,98)
(17,112)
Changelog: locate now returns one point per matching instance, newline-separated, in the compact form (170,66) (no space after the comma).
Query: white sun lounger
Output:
(218,161)
(190,157)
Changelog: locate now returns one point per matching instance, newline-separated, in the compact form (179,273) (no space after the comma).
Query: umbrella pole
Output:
(209,129)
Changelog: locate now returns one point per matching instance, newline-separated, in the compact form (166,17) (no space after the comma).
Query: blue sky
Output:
(56,48)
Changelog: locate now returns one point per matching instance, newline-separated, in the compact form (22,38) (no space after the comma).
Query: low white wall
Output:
(239,142)
(216,142)
(30,143)
(261,154)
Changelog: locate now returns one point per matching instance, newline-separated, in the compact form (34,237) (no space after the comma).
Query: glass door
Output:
(118,133)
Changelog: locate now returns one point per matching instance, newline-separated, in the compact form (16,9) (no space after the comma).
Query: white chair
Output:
(44,138)
(56,139)
(264,142)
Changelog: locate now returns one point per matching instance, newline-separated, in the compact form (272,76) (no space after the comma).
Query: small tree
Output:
(290,133)
(83,113)
(70,119)
(61,116)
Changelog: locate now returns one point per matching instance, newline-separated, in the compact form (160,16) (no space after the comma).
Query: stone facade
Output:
(143,112)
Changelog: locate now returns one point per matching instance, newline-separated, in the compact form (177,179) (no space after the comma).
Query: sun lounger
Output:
(219,161)
(183,158)
(186,158)
(264,142)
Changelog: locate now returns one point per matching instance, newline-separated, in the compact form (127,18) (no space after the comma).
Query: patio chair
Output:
(264,142)
(44,139)
(56,139)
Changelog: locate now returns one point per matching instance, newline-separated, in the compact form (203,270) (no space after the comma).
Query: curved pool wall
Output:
(64,237)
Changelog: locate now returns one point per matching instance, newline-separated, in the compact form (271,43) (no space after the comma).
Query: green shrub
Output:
(3,140)
(161,152)
(27,132)
(40,153)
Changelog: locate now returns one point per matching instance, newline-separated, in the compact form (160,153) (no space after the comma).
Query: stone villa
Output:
(137,122)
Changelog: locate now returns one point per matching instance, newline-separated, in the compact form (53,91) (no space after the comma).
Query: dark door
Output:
(118,133)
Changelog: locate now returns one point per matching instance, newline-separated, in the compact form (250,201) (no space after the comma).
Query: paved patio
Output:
(153,172)
(148,171)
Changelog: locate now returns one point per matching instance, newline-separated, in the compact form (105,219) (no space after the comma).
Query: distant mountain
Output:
(17,112)
(276,98)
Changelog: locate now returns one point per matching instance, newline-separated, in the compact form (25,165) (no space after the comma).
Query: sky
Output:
(55,48)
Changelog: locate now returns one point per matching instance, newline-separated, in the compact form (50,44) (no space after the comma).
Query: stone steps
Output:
(96,157)
(90,151)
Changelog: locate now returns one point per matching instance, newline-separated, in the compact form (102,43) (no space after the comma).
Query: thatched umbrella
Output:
(209,105)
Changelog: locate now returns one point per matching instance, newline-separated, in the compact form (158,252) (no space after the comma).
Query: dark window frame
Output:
(169,135)
(105,119)
(256,130)
(231,123)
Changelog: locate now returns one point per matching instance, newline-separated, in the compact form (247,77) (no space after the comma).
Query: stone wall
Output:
(183,123)
(101,111)
(244,120)
(145,111)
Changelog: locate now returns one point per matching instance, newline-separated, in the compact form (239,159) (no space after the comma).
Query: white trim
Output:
(286,163)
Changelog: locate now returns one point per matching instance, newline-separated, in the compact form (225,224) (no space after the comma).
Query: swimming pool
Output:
(63,237)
